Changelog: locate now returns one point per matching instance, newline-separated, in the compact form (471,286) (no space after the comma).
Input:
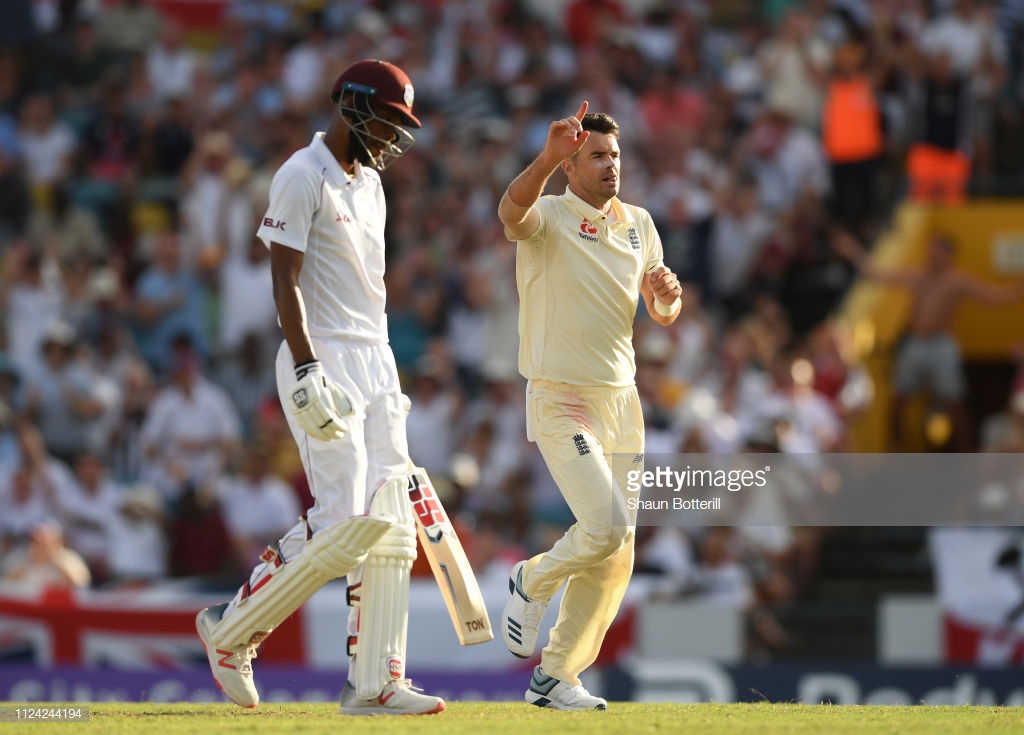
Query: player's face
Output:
(377,135)
(383,129)
(594,172)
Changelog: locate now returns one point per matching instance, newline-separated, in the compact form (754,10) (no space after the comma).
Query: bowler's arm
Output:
(516,209)
(661,287)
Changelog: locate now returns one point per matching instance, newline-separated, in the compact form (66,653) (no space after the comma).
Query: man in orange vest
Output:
(851,129)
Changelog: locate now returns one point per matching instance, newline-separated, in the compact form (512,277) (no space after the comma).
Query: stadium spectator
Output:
(170,64)
(129,27)
(246,299)
(47,146)
(12,403)
(84,506)
(46,562)
(136,539)
(67,230)
(929,356)
(258,507)
(244,376)
(25,502)
(63,396)
(593,22)
(939,158)
(853,137)
(794,65)
(432,424)
(169,301)
(199,544)
(739,232)
(15,197)
(191,429)
(32,297)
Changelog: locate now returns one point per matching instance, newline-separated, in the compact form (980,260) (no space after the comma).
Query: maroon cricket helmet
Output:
(384,82)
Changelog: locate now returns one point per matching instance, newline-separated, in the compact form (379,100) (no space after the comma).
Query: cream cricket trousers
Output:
(577,430)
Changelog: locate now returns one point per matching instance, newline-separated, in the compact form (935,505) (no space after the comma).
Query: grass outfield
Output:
(496,718)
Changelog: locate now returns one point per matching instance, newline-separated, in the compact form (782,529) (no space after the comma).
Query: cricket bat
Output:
(448,562)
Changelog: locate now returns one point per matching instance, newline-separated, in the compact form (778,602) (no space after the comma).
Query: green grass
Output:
(522,719)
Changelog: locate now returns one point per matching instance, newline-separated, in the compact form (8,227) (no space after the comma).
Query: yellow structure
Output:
(989,239)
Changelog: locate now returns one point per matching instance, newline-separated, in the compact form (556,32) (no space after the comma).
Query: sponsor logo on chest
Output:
(588,231)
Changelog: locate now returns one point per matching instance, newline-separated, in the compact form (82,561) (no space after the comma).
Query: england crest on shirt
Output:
(634,238)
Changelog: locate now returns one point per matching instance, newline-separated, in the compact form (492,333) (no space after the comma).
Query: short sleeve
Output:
(294,199)
(543,209)
(654,254)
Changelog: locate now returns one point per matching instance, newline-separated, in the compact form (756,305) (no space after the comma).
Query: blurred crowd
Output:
(140,428)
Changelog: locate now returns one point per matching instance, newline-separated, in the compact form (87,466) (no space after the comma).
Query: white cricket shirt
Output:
(579,279)
(338,222)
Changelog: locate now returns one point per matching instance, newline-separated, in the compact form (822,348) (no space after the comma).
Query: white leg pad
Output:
(384,595)
(263,603)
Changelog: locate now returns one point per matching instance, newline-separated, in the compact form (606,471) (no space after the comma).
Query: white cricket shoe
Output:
(521,618)
(398,697)
(232,670)
(546,691)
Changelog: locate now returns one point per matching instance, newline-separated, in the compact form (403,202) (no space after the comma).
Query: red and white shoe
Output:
(398,697)
(232,670)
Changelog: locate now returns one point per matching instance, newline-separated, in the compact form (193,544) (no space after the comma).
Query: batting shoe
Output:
(547,691)
(232,670)
(398,697)
(521,618)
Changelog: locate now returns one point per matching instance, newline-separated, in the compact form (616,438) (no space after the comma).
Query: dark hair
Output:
(600,122)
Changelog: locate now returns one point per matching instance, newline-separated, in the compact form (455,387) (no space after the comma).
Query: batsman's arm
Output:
(285,266)
(318,403)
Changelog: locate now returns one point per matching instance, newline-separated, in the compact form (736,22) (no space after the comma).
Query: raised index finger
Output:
(582,111)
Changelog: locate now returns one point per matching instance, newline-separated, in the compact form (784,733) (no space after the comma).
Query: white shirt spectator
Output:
(85,514)
(46,155)
(736,242)
(247,298)
(965,40)
(137,546)
(23,502)
(305,69)
(32,308)
(264,508)
(187,435)
(258,507)
(170,66)
(430,428)
(725,584)
(798,165)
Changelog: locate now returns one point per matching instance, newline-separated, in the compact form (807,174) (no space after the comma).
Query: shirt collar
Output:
(591,212)
(324,155)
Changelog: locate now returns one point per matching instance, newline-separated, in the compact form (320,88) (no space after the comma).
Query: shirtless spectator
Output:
(929,356)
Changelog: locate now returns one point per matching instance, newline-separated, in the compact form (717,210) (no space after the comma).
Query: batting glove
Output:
(318,404)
